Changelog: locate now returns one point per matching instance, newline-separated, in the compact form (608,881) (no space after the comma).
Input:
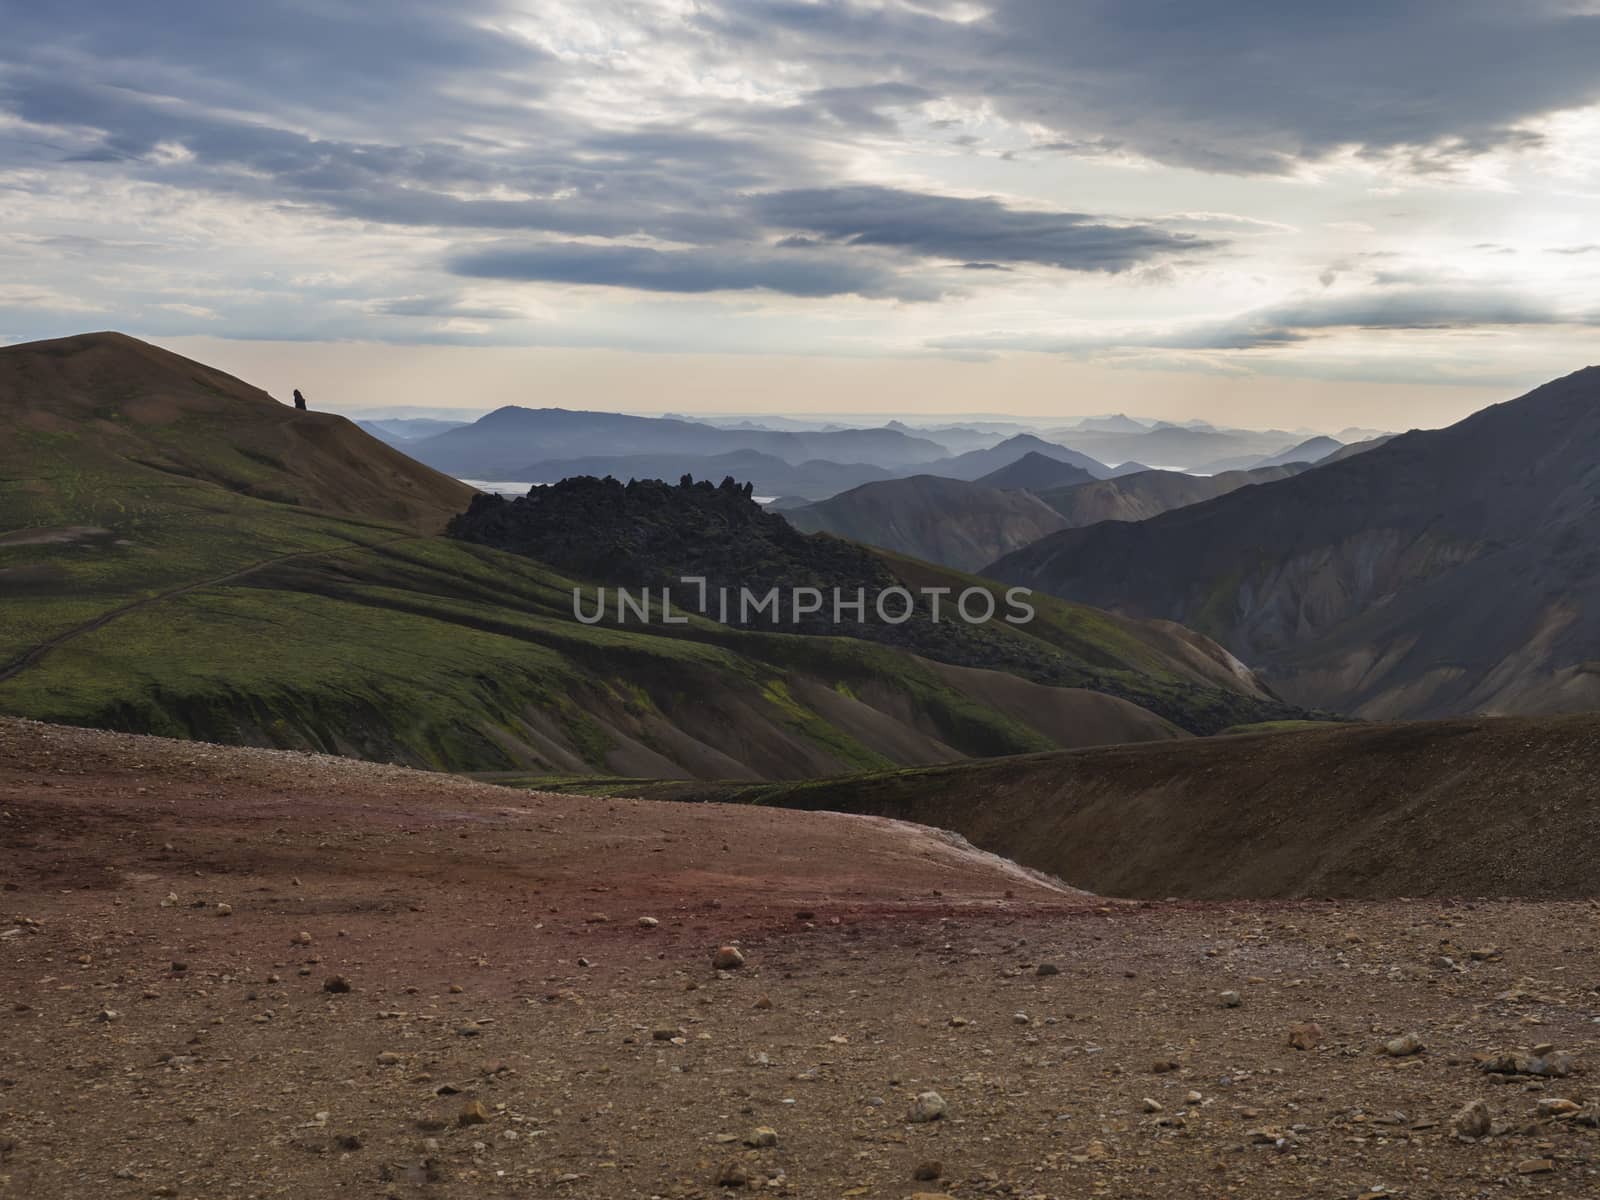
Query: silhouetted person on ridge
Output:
(299,400)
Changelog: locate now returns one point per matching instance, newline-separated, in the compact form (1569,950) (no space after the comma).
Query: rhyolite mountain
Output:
(1147,494)
(948,521)
(182,554)
(1446,571)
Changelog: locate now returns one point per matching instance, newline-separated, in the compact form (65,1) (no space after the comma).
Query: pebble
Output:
(1403,1046)
(337,984)
(1305,1036)
(761,1137)
(300,939)
(1473,1120)
(727,958)
(928,1170)
(388,1058)
(224,910)
(1230,1000)
(928,1106)
(648,922)
(1535,1166)
(1152,1106)
(1047,969)
(473,1113)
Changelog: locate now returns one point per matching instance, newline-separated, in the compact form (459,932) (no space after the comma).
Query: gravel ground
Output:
(480,1006)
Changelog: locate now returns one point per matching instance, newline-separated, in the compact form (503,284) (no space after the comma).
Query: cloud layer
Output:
(845,175)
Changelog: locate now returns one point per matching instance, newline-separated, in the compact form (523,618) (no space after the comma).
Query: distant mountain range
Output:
(401,430)
(1176,447)
(506,442)
(1442,572)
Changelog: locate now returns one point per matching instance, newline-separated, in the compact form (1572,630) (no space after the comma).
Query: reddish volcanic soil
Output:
(503,1024)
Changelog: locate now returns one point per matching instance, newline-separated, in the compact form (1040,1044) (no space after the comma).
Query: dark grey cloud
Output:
(1231,85)
(976,230)
(791,272)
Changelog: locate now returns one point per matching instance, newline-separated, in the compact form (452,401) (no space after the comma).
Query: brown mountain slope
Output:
(947,521)
(1480,807)
(125,408)
(1447,571)
(1148,494)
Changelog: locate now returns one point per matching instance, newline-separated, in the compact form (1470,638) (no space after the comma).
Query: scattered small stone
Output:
(1536,1166)
(1555,1065)
(337,984)
(224,910)
(1045,969)
(928,1106)
(733,1174)
(1230,1000)
(1166,1066)
(1557,1107)
(388,1058)
(648,922)
(761,1137)
(108,1016)
(1473,1120)
(1020,1019)
(455,989)
(926,1171)
(727,958)
(1403,1046)
(1152,1106)
(473,1113)
(300,939)
(765,1002)
(1305,1036)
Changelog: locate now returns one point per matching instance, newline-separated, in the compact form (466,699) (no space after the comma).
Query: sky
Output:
(1297,215)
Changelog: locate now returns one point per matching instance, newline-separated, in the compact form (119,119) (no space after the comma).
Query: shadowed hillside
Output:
(1146,494)
(962,525)
(115,412)
(1445,571)
(1459,808)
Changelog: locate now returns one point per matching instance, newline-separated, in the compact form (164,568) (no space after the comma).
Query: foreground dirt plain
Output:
(512,1028)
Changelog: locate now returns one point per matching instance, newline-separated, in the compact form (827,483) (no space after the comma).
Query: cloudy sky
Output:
(1297,214)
